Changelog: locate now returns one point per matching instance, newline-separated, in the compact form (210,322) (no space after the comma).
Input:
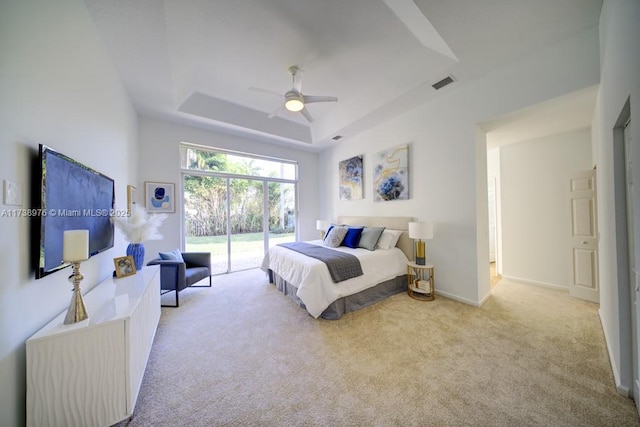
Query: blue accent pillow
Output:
(174,255)
(352,238)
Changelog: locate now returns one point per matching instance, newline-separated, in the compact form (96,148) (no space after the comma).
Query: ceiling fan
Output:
(294,100)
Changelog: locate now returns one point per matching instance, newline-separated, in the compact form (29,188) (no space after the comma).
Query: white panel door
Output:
(584,237)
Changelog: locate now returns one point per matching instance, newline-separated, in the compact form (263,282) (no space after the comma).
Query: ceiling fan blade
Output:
(306,115)
(257,89)
(308,99)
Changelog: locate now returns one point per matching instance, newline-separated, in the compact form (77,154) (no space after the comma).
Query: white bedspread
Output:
(311,276)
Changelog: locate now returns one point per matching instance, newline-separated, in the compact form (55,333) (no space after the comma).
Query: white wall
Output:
(620,68)
(59,88)
(448,169)
(535,208)
(159,154)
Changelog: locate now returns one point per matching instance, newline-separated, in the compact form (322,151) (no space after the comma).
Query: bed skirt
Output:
(349,303)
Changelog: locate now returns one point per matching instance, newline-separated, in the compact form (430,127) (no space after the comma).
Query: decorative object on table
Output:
(159,196)
(137,228)
(131,197)
(420,231)
(321,226)
(391,174)
(136,251)
(75,248)
(125,266)
(423,285)
(351,178)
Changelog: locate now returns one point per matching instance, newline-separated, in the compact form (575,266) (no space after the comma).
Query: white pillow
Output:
(388,239)
(335,237)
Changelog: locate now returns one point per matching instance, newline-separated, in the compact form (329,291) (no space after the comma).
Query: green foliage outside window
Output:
(206,196)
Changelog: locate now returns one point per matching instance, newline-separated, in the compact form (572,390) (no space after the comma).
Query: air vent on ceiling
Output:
(442,83)
(337,137)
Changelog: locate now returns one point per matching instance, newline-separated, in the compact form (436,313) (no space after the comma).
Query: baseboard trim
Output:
(536,283)
(485,299)
(460,299)
(620,389)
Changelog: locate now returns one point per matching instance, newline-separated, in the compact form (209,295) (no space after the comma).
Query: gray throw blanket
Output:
(341,266)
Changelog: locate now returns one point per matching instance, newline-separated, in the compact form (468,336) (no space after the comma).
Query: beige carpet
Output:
(494,277)
(242,354)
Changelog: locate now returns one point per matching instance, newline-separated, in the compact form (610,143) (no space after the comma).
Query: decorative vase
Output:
(136,250)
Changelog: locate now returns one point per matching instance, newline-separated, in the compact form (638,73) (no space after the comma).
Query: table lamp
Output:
(420,231)
(75,249)
(322,225)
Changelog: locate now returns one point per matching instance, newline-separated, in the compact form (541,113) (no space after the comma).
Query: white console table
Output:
(89,373)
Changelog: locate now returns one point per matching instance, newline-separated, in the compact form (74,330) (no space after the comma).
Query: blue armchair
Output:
(177,275)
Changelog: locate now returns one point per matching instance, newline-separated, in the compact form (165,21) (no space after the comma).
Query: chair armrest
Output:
(172,273)
(197,259)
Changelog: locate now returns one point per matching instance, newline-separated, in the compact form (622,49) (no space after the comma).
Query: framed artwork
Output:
(391,174)
(159,196)
(124,266)
(350,171)
(131,197)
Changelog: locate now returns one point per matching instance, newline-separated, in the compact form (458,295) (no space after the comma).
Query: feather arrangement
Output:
(139,226)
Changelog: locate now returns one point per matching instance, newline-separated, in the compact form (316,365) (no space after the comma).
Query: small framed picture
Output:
(131,197)
(159,196)
(124,266)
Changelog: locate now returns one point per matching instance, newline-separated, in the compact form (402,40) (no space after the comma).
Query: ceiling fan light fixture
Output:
(293,102)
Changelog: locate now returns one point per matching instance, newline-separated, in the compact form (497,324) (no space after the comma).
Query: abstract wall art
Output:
(391,174)
(159,196)
(351,178)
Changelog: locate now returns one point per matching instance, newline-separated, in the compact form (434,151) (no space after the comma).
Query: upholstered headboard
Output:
(391,222)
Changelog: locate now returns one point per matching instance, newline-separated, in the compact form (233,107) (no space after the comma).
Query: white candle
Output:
(75,245)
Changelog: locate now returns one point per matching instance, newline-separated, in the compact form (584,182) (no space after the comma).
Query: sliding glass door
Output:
(206,220)
(246,216)
(237,211)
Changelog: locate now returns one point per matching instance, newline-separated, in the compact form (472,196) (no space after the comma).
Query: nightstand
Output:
(420,281)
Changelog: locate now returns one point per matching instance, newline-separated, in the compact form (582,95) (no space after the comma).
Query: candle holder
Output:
(75,248)
(77,311)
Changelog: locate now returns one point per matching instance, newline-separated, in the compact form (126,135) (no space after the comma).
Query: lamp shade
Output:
(322,224)
(75,245)
(421,230)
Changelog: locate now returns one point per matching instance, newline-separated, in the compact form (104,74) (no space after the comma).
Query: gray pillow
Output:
(174,255)
(335,236)
(369,237)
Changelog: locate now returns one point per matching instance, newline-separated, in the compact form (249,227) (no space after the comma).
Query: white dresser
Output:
(89,373)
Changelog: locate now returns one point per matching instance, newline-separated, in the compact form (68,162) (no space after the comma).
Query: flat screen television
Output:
(72,197)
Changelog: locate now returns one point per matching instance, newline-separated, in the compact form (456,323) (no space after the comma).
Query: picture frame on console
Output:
(124,266)
(159,197)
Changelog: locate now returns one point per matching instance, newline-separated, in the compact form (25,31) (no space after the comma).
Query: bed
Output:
(308,282)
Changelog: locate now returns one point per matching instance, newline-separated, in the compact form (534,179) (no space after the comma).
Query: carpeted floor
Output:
(494,277)
(242,354)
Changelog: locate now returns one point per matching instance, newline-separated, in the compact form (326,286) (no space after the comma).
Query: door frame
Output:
(627,320)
